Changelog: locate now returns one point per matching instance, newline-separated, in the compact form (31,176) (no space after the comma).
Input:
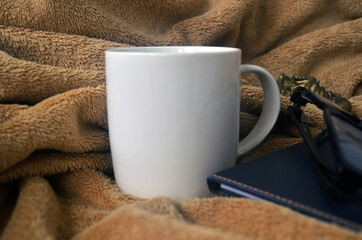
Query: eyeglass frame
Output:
(342,183)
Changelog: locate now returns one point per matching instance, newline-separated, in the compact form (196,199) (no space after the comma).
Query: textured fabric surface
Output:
(55,166)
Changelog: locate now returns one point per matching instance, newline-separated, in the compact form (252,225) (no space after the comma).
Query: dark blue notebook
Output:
(287,177)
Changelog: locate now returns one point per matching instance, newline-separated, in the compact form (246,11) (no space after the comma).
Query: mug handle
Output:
(270,112)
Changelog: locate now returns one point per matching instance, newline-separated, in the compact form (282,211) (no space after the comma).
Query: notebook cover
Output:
(287,177)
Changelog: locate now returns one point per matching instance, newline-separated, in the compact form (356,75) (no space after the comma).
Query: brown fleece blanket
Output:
(55,166)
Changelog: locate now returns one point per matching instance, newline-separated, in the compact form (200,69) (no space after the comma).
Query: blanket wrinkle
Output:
(55,49)
(10,110)
(102,192)
(356,106)
(281,224)
(113,227)
(43,206)
(116,19)
(46,81)
(41,163)
(305,55)
(163,206)
(56,122)
(56,176)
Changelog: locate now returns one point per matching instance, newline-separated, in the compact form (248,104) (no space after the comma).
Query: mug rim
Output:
(173,50)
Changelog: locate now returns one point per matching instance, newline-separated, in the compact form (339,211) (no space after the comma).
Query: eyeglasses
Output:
(337,150)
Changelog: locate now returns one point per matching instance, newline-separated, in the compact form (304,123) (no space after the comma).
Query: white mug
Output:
(173,116)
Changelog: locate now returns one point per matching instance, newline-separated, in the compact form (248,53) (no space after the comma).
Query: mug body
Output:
(173,115)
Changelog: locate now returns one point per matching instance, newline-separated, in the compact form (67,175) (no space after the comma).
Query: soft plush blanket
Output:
(56,177)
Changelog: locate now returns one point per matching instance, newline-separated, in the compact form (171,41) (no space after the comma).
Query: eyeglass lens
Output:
(348,138)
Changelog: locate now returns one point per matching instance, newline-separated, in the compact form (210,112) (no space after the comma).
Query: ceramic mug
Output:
(173,116)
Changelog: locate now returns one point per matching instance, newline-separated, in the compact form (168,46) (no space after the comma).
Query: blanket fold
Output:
(56,178)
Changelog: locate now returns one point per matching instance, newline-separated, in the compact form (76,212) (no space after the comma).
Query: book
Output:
(288,177)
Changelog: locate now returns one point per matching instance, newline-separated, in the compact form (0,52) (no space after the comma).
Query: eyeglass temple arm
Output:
(301,123)
(301,97)
(300,120)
